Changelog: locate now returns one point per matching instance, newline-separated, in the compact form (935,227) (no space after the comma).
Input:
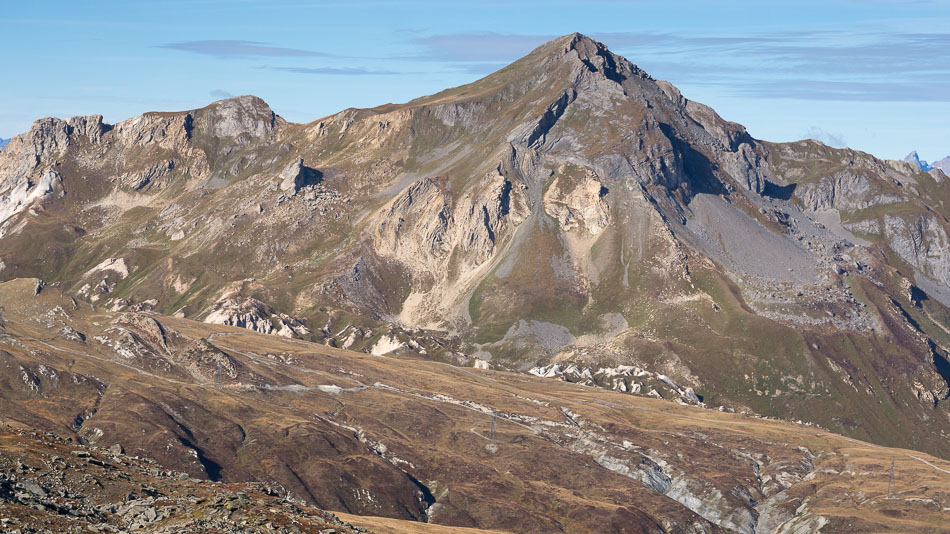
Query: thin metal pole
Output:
(493,415)
(890,481)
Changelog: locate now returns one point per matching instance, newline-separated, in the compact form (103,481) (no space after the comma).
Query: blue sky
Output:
(870,74)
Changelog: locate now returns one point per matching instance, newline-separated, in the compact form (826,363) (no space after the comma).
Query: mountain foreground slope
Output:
(567,215)
(279,425)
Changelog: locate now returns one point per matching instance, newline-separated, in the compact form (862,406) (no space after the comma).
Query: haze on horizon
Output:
(872,75)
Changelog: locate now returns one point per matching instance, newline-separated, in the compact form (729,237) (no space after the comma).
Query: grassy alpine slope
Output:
(568,214)
(410,439)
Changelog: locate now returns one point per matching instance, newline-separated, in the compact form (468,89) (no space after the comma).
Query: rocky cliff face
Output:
(568,209)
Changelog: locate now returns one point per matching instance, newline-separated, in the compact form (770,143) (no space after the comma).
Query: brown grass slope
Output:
(378,436)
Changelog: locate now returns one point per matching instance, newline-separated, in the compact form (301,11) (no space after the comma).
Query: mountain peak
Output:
(914,158)
(242,114)
(573,39)
(243,100)
(579,41)
(584,46)
(595,56)
(551,66)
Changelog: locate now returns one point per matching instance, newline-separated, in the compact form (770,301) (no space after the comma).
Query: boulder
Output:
(294,176)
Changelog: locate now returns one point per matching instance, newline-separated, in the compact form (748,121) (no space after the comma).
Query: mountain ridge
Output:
(568,210)
(942,164)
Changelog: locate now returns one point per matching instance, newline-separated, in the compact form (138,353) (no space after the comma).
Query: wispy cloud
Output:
(819,65)
(815,65)
(477,46)
(683,43)
(812,65)
(880,91)
(219,93)
(335,71)
(866,53)
(231,49)
(826,137)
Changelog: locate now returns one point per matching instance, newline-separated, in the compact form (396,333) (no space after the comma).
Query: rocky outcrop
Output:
(424,223)
(244,313)
(157,174)
(623,378)
(169,131)
(240,116)
(46,140)
(442,238)
(71,488)
(578,203)
(25,163)
(922,242)
(250,313)
(844,190)
(206,362)
(414,226)
(147,328)
(748,167)
(293,177)
(28,192)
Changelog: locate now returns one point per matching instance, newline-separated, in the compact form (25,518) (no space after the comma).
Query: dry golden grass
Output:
(385,525)
(325,422)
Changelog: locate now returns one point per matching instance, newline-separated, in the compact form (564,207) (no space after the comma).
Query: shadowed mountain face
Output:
(567,215)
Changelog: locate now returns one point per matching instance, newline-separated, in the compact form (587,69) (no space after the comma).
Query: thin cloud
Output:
(231,49)
(867,54)
(813,65)
(491,46)
(676,43)
(826,137)
(881,91)
(219,93)
(477,46)
(336,71)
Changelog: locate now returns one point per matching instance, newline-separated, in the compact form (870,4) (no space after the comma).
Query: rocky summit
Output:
(245,299)
(942,164)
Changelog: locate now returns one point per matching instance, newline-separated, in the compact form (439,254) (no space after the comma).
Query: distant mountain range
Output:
(4,143)
(942,164)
